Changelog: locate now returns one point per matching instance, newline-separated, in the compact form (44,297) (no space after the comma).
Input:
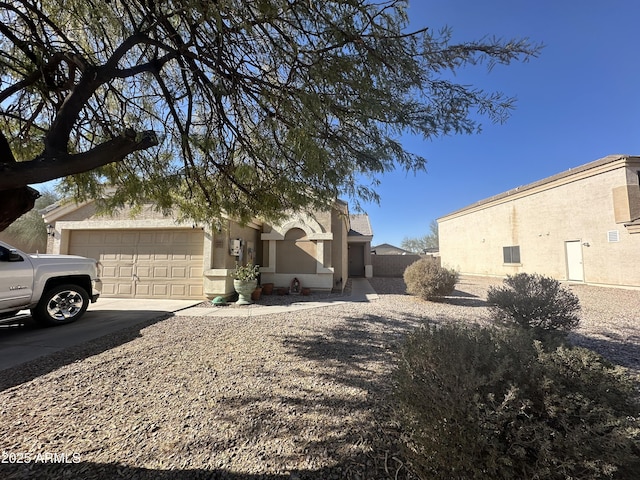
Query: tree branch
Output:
(50,167)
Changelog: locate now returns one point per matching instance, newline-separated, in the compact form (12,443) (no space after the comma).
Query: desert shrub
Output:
(428,280)
(492,404)
(534,301)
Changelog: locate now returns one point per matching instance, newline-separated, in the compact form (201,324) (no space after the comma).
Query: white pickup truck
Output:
(56,288)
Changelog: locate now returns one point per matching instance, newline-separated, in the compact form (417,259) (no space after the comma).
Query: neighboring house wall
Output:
(387,249)
(392,265)
(570,226)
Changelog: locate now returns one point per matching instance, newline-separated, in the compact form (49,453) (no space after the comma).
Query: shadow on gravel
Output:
(463,299)
(25,372)
(620,350)
(352,346)
(100,471)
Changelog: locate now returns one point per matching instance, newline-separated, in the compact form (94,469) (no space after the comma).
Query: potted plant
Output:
(245,279)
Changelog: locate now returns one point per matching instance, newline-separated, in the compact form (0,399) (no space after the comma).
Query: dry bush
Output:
(535,302)
(428,280)
(493,404)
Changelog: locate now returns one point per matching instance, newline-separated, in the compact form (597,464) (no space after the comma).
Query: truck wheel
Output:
(60,305)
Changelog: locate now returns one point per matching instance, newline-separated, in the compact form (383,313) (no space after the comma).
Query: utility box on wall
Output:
(235,247)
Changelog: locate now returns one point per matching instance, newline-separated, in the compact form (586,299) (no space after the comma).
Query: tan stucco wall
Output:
(296,253)
(339,251)
(217,277)
(309,260)
(540,222)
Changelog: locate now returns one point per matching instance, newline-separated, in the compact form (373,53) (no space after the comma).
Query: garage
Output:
(145,263)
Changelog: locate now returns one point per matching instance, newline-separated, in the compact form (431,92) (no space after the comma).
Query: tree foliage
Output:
(248,108)
(431,241)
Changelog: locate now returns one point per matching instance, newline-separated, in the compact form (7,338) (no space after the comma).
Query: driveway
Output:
(24,342)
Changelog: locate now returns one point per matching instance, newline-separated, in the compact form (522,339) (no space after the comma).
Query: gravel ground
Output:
(293,396)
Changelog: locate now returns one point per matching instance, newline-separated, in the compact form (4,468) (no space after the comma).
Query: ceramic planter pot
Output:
(244,289)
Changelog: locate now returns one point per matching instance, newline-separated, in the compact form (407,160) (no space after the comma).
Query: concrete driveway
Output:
(24,342)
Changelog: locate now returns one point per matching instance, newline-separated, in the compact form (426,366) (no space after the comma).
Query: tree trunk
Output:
(14,202)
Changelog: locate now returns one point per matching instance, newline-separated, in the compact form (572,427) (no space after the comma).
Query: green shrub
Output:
(534,302)
(492,404)
(428,280)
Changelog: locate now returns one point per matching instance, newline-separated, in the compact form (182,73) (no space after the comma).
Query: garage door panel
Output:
(123,289)
(143,290)
(145,263)
(109,271)
(143,271)
(196,291)
(179,272)
(125,271)
(160,290)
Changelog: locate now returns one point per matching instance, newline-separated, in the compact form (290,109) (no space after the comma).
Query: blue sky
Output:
(577,102)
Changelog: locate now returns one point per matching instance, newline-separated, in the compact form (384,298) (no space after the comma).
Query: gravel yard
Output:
(289,396)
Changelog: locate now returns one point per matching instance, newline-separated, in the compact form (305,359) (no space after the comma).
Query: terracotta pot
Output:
(255,296)
(267,288)
(282,291)
(306,291)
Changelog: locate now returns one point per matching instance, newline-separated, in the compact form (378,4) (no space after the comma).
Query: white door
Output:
(575,269)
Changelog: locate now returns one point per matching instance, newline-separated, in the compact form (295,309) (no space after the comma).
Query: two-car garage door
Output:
(145,263)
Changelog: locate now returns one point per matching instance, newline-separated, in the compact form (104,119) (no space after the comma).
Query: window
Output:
(511,254)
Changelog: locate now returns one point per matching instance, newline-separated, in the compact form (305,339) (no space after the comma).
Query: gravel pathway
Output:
(291,396)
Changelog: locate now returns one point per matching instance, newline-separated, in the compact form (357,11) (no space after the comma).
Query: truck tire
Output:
(60,305)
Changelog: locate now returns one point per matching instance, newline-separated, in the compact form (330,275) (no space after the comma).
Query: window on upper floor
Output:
(511,254)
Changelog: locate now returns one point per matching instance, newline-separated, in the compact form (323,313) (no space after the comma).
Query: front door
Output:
(356,260)
(575,268)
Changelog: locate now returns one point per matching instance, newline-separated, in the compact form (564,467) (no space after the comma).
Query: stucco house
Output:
(149,255)
(581,225)
(388,249)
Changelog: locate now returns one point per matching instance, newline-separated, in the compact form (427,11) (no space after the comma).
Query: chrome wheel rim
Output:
(64,305)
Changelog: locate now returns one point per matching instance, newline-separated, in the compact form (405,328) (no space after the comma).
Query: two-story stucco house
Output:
(581,225)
